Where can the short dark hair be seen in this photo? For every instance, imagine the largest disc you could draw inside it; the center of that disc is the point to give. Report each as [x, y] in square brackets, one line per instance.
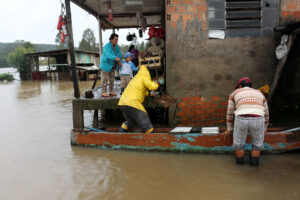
[245, 84]
[113, 35]
[131, 47]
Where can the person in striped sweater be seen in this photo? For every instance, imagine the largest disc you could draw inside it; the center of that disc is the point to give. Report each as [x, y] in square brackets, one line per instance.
[247, 114]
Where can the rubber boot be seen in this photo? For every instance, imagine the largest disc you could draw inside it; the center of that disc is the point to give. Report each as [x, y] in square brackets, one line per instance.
[122, 90]
[239, 157]
[239, 161]
[122, 130]
[253, 161]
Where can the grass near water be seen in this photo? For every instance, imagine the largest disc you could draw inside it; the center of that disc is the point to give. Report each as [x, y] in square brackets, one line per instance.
[6, 77]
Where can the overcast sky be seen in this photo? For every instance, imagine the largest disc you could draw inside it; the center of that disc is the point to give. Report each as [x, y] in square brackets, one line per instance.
[36, 21]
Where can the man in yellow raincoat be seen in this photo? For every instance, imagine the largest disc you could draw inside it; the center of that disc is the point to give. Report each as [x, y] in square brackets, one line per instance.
[132, 98]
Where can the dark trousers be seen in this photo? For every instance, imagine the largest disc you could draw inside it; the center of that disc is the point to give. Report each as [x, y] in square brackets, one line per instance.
[132, 116]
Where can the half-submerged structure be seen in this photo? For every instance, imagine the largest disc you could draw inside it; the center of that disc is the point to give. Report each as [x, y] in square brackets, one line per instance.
[86, 64]
[208, 46]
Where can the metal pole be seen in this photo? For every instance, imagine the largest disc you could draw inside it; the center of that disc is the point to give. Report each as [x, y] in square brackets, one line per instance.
[71, 48]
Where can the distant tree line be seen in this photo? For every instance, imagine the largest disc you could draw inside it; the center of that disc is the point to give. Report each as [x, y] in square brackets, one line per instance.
[6, 48]
[13, 54]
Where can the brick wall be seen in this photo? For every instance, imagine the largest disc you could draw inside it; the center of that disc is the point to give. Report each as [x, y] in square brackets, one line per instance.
[185, 11]
[290, 11]
[198, 111]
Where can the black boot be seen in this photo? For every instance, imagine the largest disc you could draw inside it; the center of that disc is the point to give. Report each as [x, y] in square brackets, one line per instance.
[239, 161]
[253, 161]
[122, 90]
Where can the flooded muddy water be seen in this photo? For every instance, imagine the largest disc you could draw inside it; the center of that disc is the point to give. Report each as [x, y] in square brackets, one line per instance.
[38, 162]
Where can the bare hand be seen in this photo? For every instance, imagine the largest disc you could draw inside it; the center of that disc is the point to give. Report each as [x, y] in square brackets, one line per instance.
[226, 134]
[152, 93]
[120, 64]
[118, 59]
[156, 81]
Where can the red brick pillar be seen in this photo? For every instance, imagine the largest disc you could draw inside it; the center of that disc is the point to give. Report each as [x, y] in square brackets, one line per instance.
[290, 11]
[184, 11]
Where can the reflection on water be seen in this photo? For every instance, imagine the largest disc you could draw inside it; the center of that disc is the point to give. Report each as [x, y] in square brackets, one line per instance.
[38, 162]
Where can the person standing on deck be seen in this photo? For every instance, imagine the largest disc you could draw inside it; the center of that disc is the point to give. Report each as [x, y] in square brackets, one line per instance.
[132, 98]
[248, 109]
[110, 58]
[134, 54]
[126, 71]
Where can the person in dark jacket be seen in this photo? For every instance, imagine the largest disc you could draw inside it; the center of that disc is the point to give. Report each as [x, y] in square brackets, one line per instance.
[134, 57]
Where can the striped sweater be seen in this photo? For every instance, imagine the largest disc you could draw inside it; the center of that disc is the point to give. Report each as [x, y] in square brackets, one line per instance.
[246, 101]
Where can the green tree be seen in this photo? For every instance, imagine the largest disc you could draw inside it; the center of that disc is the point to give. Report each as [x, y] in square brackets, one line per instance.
[88, 41]
[124, 48]
[141, 46]
[28, 45]
[60, 44]
[19, 59]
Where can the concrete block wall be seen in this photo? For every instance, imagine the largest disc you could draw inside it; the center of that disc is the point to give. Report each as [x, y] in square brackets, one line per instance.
[199, 66]
[290, 11]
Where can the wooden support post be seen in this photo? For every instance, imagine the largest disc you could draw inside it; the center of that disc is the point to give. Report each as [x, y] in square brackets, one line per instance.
[100, 37]
[71, 47]
[31, 64]
[49, 68]
[37, 64]
[95, 121]
[78, 118]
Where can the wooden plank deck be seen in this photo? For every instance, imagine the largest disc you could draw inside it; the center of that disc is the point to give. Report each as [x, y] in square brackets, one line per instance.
[98, 103]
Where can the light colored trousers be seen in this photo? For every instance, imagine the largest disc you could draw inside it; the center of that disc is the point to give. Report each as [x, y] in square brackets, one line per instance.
[253, 126]
[125, 79]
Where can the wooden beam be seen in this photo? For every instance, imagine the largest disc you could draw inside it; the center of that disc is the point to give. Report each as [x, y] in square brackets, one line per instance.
[71, 47]
[92, 12]
[136, 26]
[131, 15]
[107, 22]
[85, 7]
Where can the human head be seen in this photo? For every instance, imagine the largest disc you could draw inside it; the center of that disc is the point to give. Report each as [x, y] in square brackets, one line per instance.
[127, 56]
[114, 39]
[131, 47]
[244, 82]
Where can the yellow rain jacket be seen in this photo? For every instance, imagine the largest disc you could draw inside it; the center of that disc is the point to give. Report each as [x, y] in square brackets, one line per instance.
[137, 89]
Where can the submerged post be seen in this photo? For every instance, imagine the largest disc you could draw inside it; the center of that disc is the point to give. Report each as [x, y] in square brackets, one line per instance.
[71, 47]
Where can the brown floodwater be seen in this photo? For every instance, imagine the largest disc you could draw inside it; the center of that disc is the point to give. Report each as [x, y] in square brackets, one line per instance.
[38, 162]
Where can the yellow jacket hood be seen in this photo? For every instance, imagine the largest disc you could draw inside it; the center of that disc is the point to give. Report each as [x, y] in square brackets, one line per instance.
[137, 89]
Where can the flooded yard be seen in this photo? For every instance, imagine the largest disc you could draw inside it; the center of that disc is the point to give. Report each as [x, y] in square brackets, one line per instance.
[38, 162]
